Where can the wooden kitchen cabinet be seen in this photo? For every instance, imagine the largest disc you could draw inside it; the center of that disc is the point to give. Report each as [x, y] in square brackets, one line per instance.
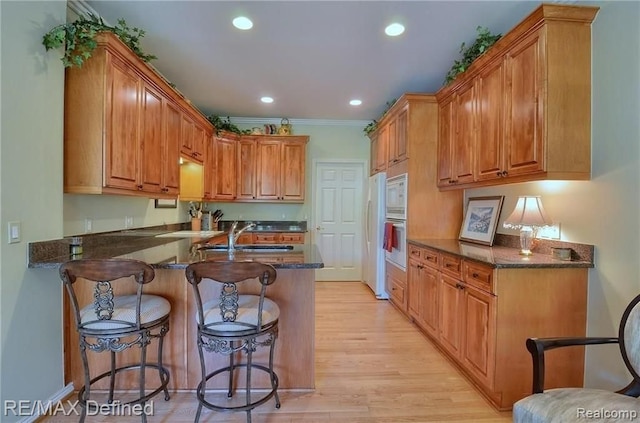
[396, 287]
[225, 162]
[278, 238]
[123, 126]
[246, 169]
[485, 315]
[458, 141]
[389, 142]
[280, 168]
[423, 288]
[531, 103]
[379, 141]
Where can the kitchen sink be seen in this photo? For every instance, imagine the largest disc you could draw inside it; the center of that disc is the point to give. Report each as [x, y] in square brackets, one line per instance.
[249, 248]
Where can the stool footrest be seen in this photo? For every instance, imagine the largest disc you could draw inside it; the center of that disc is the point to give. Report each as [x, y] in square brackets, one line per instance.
[164, 376]
[201, 392]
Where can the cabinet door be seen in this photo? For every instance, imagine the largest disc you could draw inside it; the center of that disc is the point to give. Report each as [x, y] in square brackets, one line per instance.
[209, 171]
[524, 106]
[225, 168]
[373, 153]
[401, 134]
[199, 139]
[445, 143]
[490, 141]
[152, 148]
[246, 168]
[293, 171]
[392, 153]
[122, 126]
[478, 349]
[291, 238]
[465, 134]
[186, 136]
[381, 151]
[171, 164]
[423, 296]
[451, 296]
[268, 169]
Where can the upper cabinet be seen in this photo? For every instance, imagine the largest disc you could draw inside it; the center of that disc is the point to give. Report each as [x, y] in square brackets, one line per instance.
[258, 168]
[124, 126]
[522, 111]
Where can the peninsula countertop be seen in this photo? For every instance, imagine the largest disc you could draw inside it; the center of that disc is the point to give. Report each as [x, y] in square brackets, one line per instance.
[168, 247]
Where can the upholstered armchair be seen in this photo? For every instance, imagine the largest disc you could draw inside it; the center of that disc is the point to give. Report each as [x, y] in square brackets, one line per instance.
[583, 404]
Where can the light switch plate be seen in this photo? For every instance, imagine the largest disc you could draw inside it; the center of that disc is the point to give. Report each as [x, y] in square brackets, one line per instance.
[14, 232]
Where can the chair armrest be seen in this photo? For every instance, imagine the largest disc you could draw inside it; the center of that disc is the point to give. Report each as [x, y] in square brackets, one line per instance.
[537, 347]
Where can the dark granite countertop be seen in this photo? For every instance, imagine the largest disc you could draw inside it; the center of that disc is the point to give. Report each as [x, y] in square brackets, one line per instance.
[158, 247]
[498, 256]
[266, 225]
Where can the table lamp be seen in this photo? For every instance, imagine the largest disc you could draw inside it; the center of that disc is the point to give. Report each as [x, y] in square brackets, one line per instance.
[528, 216]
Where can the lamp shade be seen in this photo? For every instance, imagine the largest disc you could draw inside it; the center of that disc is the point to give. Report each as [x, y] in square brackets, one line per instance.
[528, 212]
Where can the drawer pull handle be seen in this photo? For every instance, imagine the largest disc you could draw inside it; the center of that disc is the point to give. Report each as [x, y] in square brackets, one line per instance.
[475, 275]
[459, 286]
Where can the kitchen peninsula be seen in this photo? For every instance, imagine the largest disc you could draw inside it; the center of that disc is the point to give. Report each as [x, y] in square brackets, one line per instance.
[169, 249]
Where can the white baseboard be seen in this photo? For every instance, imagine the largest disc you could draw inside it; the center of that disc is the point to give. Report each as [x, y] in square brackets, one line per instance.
[58, 396]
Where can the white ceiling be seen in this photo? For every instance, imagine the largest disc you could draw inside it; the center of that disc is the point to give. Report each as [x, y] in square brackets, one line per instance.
[312, 57]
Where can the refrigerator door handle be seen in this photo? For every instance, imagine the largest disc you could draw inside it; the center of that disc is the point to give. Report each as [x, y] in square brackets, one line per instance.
[367, 217]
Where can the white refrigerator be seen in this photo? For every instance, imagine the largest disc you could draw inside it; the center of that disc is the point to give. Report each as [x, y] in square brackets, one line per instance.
[374, 261]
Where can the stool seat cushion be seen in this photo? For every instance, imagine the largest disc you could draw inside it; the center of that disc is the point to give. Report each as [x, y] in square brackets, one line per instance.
[573, 405]
[247, 314]
[152, 308]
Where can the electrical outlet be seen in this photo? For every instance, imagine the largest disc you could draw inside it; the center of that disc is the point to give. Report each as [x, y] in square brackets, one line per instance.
[550, 232]
[14, 232]
[128, 222]
[88, 225]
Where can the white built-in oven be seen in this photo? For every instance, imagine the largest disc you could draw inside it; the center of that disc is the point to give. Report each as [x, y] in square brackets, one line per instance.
[396, 198]
[398, 254]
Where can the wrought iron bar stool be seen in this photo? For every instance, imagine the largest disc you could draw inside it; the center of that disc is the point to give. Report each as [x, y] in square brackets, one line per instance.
[231, 322]
[114, 323]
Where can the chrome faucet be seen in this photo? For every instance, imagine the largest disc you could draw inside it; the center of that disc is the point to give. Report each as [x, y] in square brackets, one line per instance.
[233, 235]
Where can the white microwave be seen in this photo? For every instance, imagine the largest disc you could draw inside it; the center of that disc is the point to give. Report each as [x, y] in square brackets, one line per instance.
[396, 199]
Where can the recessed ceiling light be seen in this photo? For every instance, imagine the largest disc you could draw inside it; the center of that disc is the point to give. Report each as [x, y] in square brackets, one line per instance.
[394, 29]
[266, 100]
[355, 102]
[242, 22]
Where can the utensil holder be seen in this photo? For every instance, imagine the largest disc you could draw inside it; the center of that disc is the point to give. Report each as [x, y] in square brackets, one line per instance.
[196, 224]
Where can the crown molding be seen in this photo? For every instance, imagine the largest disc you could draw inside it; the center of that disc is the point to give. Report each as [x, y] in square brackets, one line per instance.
[81, 8]
[300, 122]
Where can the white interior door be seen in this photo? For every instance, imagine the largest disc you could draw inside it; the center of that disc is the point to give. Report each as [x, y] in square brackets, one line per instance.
[338, 219]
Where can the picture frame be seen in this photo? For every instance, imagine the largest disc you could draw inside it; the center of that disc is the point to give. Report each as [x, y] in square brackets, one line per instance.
[162, 203]
[481, 219]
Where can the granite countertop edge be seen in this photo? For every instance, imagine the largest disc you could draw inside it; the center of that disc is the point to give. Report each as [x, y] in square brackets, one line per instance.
[498, 257]
[164, 252]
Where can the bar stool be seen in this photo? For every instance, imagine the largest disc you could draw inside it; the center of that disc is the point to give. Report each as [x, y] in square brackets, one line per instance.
[114, 323]
[234, 322]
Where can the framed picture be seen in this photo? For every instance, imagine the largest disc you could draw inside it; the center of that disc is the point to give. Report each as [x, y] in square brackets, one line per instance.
[166, 204]
[481, 219]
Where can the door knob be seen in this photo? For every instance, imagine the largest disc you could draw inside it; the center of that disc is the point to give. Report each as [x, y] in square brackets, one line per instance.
[318, 228]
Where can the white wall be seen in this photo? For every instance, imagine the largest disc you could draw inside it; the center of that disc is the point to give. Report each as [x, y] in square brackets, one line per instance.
[31, 180]
[604, 211]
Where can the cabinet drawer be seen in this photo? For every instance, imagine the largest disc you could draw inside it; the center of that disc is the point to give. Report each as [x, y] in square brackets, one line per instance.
[396, 291]
[451, 265]
[478, 276]
[245, 238]
[292, 238]
[424, 255]
[265, 238]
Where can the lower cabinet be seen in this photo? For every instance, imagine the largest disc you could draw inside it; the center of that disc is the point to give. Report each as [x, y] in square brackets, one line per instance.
[396, 286]
[263, 238]
[481, 316]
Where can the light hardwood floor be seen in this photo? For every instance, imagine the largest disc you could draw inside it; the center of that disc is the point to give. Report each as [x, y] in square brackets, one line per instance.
[372, 366]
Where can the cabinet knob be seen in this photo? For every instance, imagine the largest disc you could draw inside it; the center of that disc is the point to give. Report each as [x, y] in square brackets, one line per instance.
[459, 286]
[505, 173]
[498, 173]
[139, 187]
[475, 275]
